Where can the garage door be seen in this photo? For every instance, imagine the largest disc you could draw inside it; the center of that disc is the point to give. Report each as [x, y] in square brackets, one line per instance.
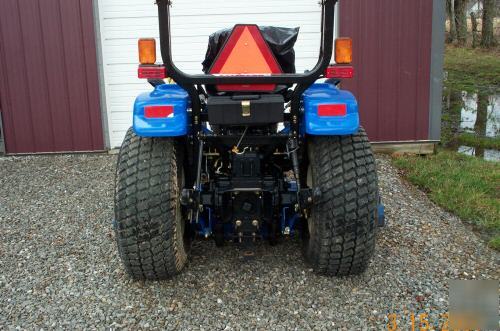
[122, 22]
[49, 88]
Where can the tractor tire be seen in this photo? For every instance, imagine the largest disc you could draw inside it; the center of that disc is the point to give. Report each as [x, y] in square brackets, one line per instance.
[150, 226]
[339, 234]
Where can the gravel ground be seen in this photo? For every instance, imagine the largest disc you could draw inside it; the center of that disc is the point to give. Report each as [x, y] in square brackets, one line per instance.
[59, 266]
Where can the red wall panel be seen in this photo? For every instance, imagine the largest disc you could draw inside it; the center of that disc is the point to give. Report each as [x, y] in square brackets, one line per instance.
[49, 82]
[392, 58]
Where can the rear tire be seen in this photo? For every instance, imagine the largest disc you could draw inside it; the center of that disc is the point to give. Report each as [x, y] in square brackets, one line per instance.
[150, 225]
[339, 235]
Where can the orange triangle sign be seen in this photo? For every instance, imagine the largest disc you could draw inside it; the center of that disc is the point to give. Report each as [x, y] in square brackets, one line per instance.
[246, 53]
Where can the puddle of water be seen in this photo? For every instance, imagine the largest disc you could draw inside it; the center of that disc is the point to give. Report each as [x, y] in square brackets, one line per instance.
[470, 114]
[478, 114]
[487, 154]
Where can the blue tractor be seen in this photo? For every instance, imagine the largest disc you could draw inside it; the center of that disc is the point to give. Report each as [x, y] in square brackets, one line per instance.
[248, 151]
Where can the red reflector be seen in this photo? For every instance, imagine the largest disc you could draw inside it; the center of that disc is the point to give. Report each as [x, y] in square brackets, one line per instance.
[339, 72]
[158, 111]
[152, 72]
[246, 53]
[332, 110]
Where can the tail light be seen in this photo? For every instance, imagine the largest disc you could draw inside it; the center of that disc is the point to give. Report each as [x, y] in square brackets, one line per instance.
[147, 51]
[343, 51]
[158, 111]
[148, 68]
[339, 72]
[152, 72]
[332, 110]
[343, 56]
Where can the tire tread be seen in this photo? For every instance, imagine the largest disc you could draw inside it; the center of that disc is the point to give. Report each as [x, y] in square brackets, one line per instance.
[146, 207]
[344, 216]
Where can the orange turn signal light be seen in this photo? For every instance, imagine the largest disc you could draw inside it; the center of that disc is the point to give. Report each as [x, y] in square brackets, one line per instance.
[147, 51]
[343, 50]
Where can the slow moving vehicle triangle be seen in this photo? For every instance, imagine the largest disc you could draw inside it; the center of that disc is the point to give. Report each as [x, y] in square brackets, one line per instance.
[246, 53]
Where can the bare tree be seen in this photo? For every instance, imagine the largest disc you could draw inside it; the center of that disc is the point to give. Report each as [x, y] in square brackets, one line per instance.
[475, 33]
[460, 7]
[488, 35]
[481, 119]
[452, 36]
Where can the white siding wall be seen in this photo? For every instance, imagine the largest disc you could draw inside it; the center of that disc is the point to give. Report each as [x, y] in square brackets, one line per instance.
[122, 22]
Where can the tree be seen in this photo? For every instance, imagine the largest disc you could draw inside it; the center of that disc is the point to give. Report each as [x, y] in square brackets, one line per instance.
[481, 119]
[475, 33]
[460, 7]
[452, 36]
[488, 35]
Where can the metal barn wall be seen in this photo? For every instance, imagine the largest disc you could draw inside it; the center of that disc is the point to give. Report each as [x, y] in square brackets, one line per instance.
[392, 60]
[49, 88]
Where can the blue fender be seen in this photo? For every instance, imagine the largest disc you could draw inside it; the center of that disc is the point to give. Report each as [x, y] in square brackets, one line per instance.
[328, 94]
[163, 95]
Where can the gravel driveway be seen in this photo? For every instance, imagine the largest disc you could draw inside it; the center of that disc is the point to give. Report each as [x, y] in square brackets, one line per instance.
[59, 266]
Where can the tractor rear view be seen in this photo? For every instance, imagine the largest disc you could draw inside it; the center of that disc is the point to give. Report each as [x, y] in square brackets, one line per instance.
[248, 151]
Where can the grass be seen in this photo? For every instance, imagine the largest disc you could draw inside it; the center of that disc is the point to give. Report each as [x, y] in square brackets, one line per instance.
[472, 140]
[472, 69]
[466, 186]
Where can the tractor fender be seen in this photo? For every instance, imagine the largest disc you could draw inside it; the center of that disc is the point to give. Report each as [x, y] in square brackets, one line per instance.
[323, 94]
[151, 109]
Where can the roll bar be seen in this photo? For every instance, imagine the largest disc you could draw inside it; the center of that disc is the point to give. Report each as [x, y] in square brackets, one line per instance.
[303, 81]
